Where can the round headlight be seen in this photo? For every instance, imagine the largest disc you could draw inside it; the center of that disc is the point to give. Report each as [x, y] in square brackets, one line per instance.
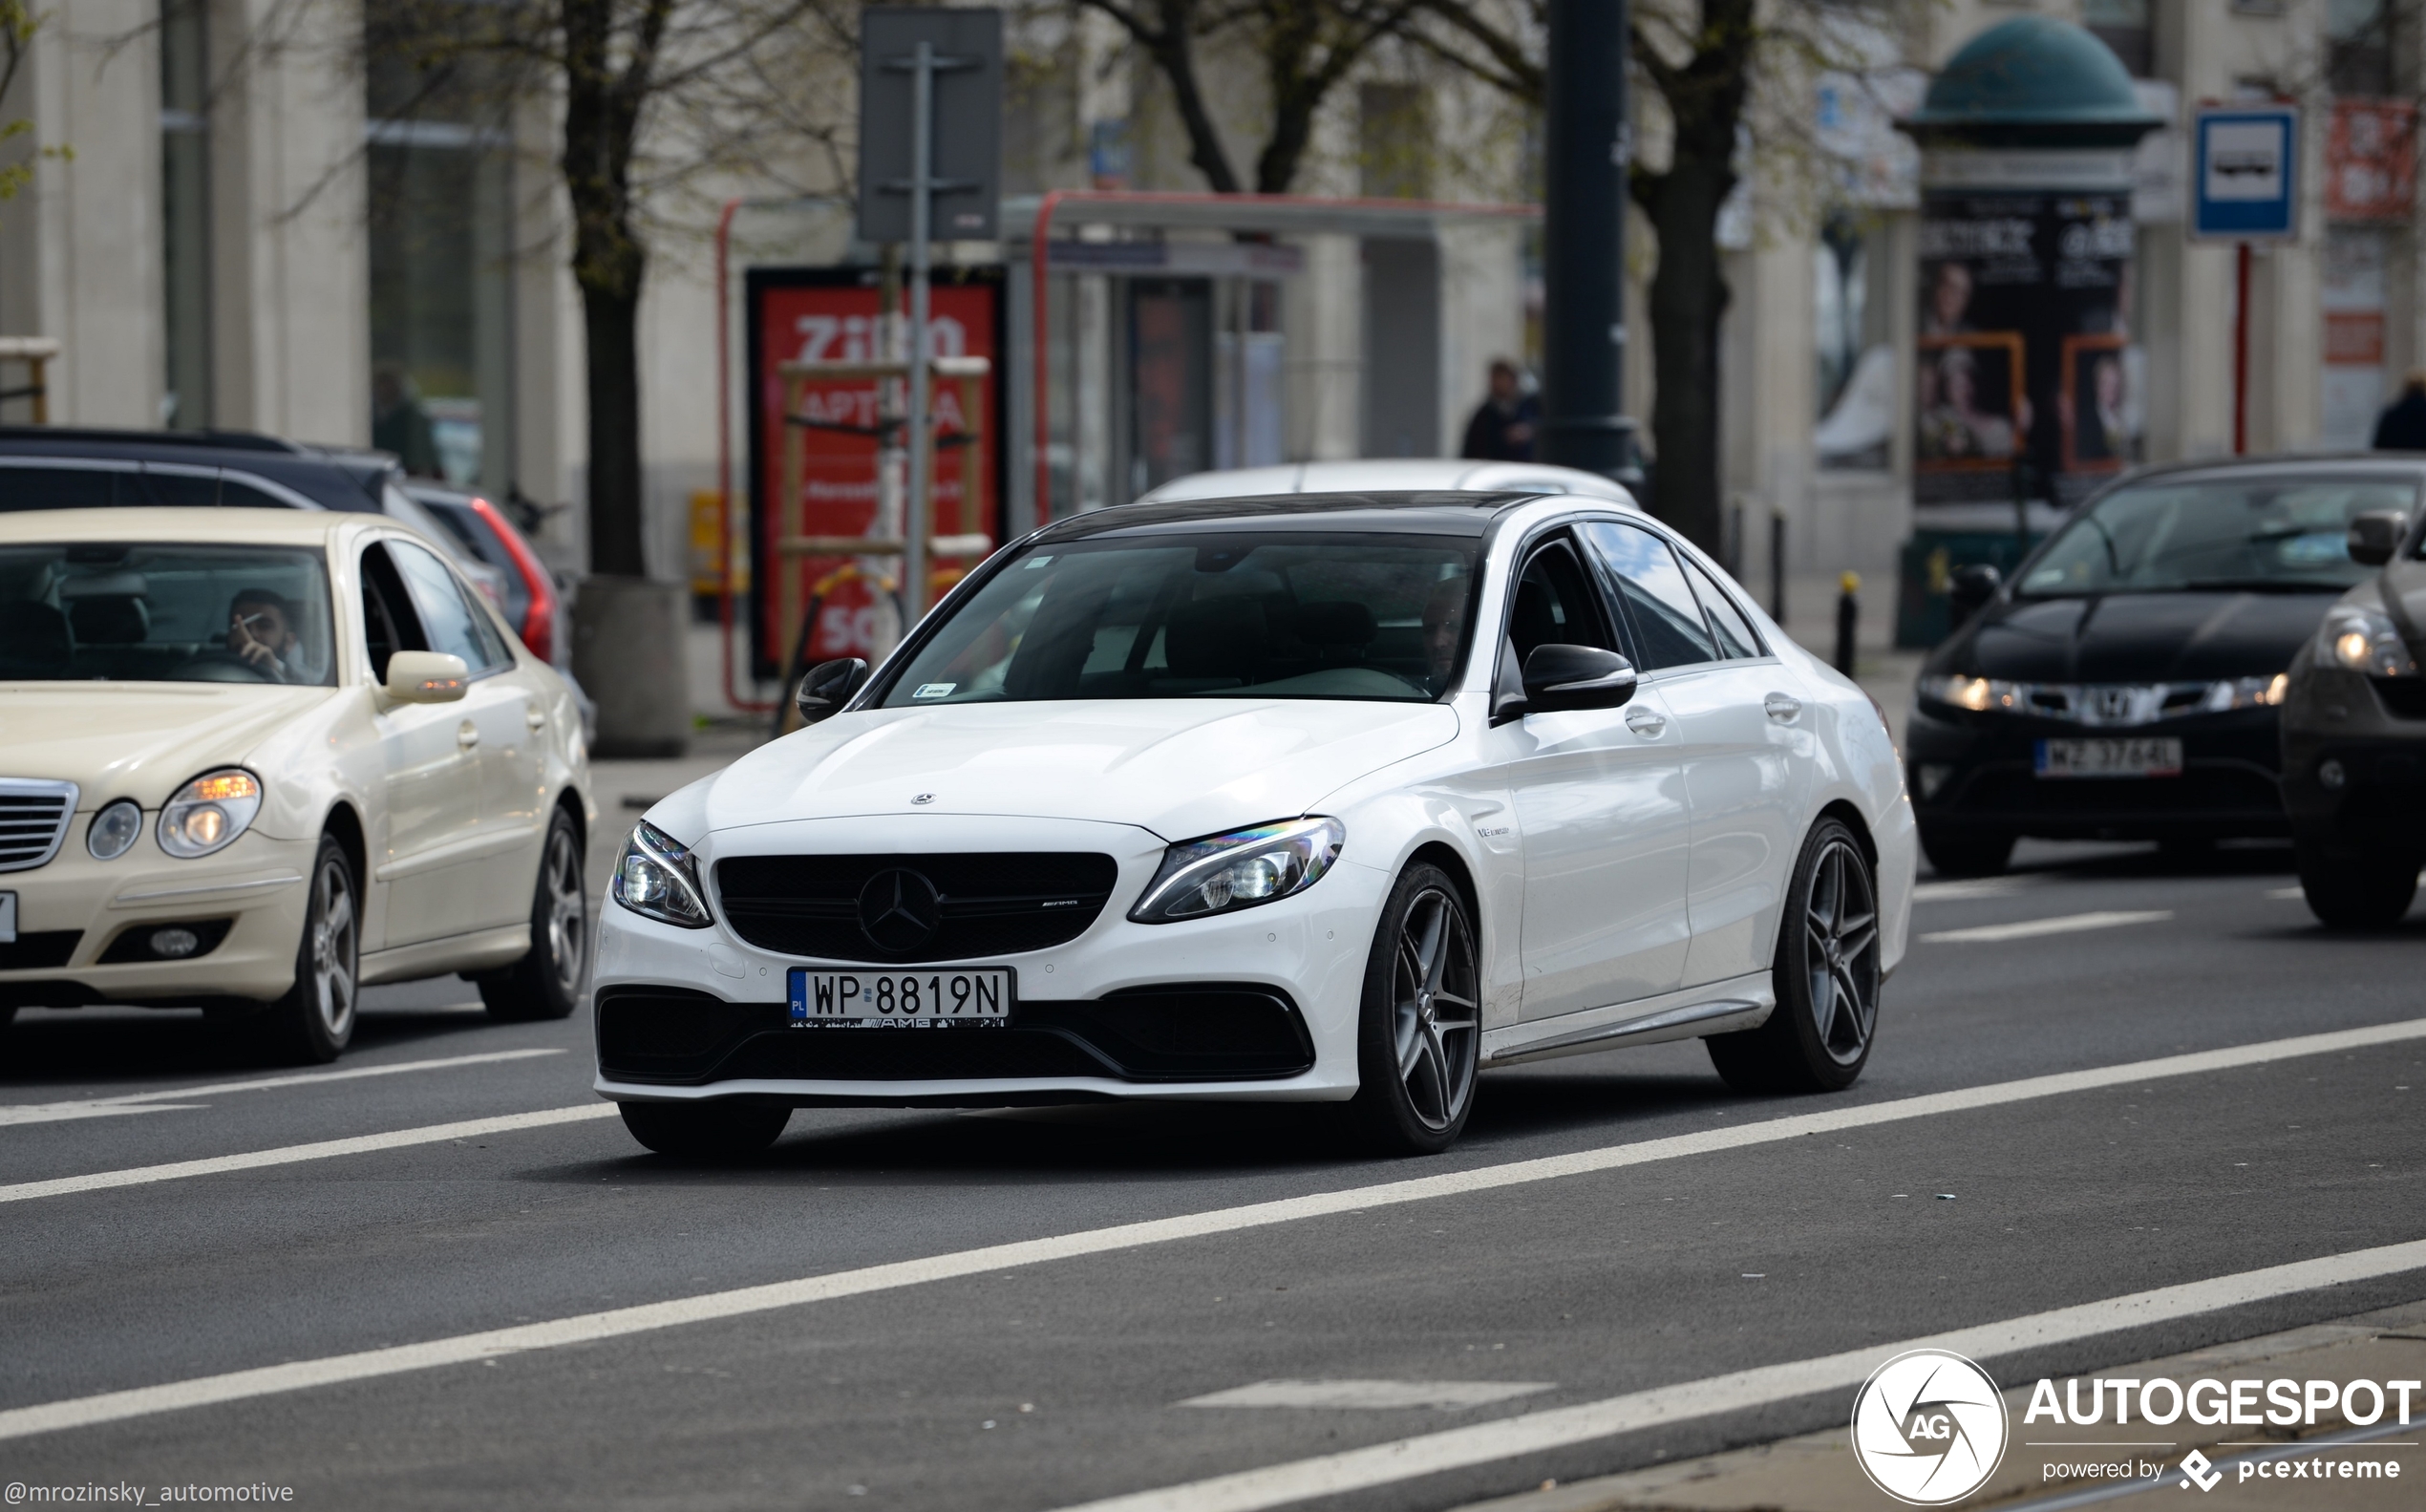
[209, 812]
[114, 830]
[2352, 648]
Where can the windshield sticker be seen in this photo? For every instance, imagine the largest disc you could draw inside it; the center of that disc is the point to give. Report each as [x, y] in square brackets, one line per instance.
[934, 689]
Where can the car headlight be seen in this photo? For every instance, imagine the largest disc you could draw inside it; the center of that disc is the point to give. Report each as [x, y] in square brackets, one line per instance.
[113, 830]
[1979, 694]
[208, 812]
[2246, 693]
[2362, 640]
[1240, 869]
[657, 877]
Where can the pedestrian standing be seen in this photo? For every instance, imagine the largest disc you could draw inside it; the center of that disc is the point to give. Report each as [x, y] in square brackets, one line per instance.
[2402, 426]
[1504, 424]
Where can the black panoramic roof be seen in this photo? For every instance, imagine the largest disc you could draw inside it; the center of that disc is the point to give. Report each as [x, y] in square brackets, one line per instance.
[1437, 513]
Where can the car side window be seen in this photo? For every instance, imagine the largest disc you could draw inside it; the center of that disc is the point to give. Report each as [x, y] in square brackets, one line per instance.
[1553, 604]
[389, 624]
[1736, 635]
[449, 619]
[1667, 619]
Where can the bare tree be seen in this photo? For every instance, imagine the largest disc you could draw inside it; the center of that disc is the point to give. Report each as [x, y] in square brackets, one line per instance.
[1710, 64]
[18, 23]
[1305, 48]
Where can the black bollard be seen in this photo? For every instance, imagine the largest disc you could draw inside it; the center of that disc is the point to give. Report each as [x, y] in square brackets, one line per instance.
[1848, 618]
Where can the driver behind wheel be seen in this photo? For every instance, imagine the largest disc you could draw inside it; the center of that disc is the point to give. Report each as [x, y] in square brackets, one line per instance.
[261, 629]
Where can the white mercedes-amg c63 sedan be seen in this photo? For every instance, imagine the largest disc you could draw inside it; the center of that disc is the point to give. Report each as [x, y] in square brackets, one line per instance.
[1329, 798]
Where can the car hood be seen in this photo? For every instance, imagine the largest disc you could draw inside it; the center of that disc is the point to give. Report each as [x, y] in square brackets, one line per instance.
[139, 740]
[2137, 637]
[1180, 768]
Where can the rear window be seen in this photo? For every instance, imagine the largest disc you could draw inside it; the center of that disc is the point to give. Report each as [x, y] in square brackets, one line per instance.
[69, 486]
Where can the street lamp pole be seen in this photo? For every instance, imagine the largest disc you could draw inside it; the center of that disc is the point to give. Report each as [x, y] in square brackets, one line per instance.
[1590, 145]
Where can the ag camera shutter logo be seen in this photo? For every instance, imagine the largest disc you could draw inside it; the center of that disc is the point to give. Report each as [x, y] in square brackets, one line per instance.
[1929, 1427]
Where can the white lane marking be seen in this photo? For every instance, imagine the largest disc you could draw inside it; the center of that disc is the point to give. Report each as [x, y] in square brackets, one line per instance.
[289, 1155]
[1377, 1395]
[2280, 894]
[136, 1102]
[1958, 891]
[60, 1112]
[2032, 928]
[709, 1307]
[1532, 1433]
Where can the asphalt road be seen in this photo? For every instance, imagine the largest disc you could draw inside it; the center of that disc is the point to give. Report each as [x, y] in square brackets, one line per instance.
[1060, 1380]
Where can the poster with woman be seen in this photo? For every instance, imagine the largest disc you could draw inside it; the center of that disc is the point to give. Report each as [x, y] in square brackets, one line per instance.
[2011, 285]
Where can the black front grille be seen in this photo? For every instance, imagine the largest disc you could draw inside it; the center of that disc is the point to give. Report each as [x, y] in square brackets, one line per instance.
[988, 904]
[40, 951]
[1189, 1032]
[34, 818]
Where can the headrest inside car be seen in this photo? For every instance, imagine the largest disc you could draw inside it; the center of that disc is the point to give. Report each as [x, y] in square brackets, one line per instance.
[110, 621]
[33, 640]
[1340, 622]
[1219, 637]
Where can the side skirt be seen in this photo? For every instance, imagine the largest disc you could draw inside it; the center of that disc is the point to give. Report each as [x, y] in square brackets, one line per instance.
[482, 951]
[1714, 1007]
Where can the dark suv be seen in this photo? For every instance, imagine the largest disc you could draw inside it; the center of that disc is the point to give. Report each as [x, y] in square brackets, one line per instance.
[2354, 734]
[59, 467]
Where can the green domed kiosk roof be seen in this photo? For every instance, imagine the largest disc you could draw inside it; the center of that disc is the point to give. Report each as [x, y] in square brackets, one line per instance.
[2031, 81]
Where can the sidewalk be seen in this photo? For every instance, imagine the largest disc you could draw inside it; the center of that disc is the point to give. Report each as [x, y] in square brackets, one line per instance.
[1817, 1473]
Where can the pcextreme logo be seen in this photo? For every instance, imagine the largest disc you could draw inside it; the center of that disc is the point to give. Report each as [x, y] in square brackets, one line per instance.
[1929, 1427]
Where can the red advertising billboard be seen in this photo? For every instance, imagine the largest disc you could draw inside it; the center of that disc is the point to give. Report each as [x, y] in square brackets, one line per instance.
[2370, 159]
[832, 315]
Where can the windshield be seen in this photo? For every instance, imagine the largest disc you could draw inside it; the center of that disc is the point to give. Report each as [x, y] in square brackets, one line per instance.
[1296, 616]
[117, 612]
[2279, 534]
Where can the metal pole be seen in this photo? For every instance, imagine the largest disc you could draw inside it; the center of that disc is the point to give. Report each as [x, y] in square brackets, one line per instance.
[1583, 236]
[919, 512]
[2241, 359]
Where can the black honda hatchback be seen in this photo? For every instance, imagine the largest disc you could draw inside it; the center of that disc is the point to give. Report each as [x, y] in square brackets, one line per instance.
[2125, 684]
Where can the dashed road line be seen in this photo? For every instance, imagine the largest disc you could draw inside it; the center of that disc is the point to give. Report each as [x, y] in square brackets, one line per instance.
[2033, 928]
[166, 1098]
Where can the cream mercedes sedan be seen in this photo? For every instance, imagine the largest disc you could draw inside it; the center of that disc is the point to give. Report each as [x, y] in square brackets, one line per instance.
[256, 761]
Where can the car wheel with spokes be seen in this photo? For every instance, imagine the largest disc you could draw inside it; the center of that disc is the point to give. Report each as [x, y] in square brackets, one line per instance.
[1826, 977]
[1419, 1038]
[314, 1021]
[546, 982]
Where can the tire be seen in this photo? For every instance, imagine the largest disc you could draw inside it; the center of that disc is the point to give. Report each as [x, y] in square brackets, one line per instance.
[546, 982]
[2371, 890]
[1966, 853]
[1419, 1033]
[314, 1021]
[1818, 1038]
[705, 1131]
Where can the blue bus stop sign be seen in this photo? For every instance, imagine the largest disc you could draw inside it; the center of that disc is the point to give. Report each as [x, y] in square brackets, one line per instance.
[2245, 173]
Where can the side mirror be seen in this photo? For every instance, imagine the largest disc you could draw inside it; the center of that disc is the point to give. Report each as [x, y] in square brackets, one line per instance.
[828, 687]
[426, 677]
[2376, 536]
[1576, 677]
[1971, 589]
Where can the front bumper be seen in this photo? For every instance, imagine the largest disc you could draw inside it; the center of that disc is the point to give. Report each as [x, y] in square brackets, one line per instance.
[78, 920]
[1257, 1004]
[1977, 773]
[2374, 735]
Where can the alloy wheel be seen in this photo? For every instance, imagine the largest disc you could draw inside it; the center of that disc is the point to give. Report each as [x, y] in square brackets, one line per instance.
[1840, 951]
[567, 910]
[1434, 1003]
[334, 955]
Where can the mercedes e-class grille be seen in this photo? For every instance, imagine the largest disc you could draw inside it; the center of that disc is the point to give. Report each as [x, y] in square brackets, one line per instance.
[888, 908]
[33, 819]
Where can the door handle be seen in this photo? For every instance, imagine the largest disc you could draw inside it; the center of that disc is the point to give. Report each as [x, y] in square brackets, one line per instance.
[467, 735]
[1784, 708]
[1645, 723]
[535, 719]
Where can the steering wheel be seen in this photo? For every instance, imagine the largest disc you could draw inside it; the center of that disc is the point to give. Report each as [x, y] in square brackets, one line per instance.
[214, 665]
